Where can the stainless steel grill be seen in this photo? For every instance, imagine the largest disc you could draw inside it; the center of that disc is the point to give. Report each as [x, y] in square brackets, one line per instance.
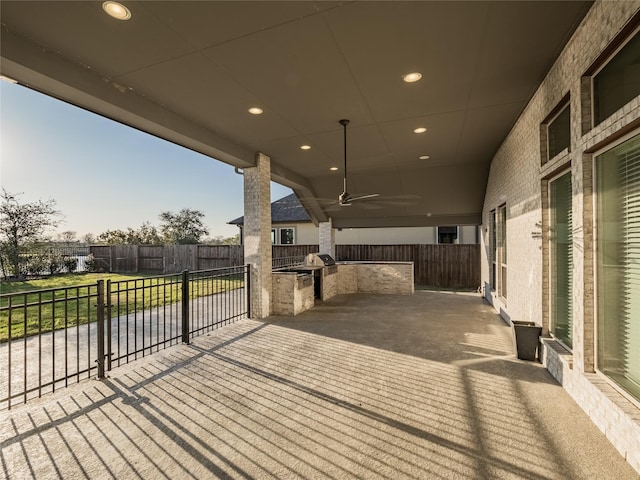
[319, 260]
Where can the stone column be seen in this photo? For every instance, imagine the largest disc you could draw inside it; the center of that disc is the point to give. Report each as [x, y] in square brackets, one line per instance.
[327, 238]
[257, 234]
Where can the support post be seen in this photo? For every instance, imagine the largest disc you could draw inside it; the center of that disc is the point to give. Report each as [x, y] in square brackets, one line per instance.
[327, 238]
[257, 234]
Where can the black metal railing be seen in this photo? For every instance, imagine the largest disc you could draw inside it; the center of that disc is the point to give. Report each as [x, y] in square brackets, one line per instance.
[50, 338]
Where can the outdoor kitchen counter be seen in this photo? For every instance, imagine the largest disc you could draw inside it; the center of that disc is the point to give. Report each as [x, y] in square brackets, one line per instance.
[375, 277]
[291, 292]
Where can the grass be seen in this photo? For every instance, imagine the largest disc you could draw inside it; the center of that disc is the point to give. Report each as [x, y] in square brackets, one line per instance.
[39, 306]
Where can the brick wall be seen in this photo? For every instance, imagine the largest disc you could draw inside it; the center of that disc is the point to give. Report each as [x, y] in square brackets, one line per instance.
[519, 179]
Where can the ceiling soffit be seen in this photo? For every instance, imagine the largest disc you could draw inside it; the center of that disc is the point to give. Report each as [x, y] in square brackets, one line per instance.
[188, 72]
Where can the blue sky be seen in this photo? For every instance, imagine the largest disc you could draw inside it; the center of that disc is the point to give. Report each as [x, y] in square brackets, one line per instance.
[104, 175]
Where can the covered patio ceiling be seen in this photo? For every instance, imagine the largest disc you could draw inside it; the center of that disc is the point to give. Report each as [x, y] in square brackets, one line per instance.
[189, 71]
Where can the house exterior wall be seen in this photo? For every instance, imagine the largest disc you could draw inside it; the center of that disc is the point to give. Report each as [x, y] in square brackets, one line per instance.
[399, 236]
[308, 234]
[518, 180]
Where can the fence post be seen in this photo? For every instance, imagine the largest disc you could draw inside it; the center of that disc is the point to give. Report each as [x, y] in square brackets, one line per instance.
[185, 306]
[100, 305]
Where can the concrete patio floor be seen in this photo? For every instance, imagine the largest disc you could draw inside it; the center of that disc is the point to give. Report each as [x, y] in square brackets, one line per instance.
[362, 386]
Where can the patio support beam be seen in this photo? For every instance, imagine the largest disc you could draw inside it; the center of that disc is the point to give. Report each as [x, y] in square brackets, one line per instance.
[327, 238]
[257, 233]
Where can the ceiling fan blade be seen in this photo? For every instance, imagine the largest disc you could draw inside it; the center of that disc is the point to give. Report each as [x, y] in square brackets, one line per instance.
[363, 197]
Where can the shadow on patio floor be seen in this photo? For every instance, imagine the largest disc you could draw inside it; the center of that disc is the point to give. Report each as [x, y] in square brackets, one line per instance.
[363, 386]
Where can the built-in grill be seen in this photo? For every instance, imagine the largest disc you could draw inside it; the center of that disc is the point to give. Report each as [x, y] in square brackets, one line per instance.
[321, 260]
[321, 265]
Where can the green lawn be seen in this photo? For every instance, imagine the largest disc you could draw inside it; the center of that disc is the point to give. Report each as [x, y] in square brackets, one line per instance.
[73, 302]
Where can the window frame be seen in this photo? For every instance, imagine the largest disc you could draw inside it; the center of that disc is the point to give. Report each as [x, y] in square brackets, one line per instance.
[493, 240]
[550, 265]
[502, 286]
[596, 297]
[457, 238]
[558, 110]
[608, 54]
[293, 235]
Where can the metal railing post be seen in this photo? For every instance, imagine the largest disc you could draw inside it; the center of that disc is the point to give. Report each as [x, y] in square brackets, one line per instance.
[109, 332]
[185, 306]
[100, 326]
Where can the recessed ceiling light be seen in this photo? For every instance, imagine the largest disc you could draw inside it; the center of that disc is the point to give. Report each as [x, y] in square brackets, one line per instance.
[412, 77]
[419, 130]
[305, 147]
[255, 111]
[116, 10]
[333, 169]
[424, 157]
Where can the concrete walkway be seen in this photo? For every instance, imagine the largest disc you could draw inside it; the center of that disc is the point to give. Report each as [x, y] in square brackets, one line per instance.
[362, 386]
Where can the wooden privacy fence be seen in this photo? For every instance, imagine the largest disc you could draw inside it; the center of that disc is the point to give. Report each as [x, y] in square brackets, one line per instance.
[444, 266]
[176, 258]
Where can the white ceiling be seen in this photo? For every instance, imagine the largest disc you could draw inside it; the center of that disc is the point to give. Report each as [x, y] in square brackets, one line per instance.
[188, 72]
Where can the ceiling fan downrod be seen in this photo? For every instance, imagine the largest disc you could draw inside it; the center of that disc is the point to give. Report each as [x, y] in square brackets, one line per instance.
[344, 196]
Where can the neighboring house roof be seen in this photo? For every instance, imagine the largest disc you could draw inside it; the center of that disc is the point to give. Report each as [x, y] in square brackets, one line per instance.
[286, 210]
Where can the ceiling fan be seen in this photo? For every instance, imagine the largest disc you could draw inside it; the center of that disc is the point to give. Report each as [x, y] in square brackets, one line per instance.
[345, 199]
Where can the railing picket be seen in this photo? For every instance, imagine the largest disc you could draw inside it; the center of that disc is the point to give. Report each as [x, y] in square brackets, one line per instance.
[53, 340]
[10, 340]
[39, 345]
[66, 337]
[25, 348]
[77, 334]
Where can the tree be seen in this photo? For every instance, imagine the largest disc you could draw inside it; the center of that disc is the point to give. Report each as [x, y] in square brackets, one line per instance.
[184, 227]
[68, 237]
[113, 237]
[147, 234]
[89, 239]
[220, 240]
[22, 225]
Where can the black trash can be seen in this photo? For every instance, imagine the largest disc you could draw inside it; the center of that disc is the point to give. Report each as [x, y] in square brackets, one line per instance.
[527, 338]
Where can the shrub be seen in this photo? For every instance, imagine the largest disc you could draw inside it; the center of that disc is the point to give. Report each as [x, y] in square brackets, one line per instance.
[36, 264]
[90, 263]
[70, 264]
[55, 263]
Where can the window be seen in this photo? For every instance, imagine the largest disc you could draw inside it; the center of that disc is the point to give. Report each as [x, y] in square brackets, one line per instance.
[494, 249]
[502, 251]
[561, 258]
[287, 236]
[273, 236]
[557, 131]
[618, 264]
[447, 234]
[618, 81]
